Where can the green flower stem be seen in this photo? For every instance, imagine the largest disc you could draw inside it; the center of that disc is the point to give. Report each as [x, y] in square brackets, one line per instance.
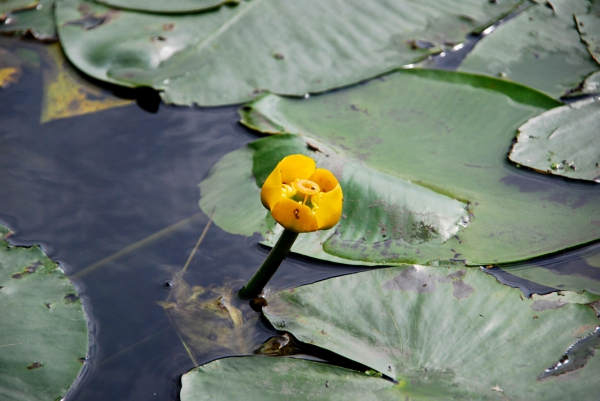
[264, 273]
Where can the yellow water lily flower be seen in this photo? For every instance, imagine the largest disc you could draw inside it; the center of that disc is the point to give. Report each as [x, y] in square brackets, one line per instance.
[301, 197]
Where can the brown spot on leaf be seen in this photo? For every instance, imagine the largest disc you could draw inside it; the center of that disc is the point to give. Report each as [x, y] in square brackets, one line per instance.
[35, 365]
[168, 27]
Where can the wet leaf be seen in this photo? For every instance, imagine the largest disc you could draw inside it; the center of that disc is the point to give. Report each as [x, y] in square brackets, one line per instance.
[263, 378]
[201, 58]
[562, 141]
[38, 21]
[445, 131]
[42, 335]
[444, 332]
[166, 7]
[67, 94]
[7, 6]
[540, 48]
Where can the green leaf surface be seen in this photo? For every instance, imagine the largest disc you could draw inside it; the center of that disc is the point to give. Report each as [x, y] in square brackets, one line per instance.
[562, 141]
[290, 47]
[7, 6]
[39, 21]
[446, 333]
[588, 26]
[167, 7]
[540, 47]
[267, 378]
[445, 131]
[44, 337]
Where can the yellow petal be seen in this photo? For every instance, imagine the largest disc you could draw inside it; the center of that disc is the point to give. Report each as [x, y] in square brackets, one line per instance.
[324, 179]
[329, 208]
[296, 166]
[294, 216]
[270, 193]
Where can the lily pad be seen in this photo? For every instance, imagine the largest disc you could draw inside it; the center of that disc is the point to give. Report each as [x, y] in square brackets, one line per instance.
[44, 338]
[201, 58]
[264, 378]
[562, 141]
[39, 21]
[7, 6]
[589, 29]
[446, 332]
[167, 7]
[441, 130]
[540, 47]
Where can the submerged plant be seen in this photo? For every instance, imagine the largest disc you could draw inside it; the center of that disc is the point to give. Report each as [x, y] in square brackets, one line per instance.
[302, 198]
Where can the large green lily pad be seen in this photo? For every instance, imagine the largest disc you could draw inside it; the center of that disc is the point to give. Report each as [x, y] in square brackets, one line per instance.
[290, 47]
[166, 7]
[562, 141]
[39, 21]
[540, 47]
[446, 332]
[44, 338]
[445, 131]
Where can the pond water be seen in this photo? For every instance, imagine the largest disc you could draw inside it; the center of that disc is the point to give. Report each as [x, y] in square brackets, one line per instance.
[126, 179]
[86, 187]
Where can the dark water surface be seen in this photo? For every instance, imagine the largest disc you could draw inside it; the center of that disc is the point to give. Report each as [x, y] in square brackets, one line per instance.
[86, 187]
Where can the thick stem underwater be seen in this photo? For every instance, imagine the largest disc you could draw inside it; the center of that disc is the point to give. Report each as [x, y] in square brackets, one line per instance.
[264, 273]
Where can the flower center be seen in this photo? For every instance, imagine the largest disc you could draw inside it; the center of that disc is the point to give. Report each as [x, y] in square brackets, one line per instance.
[307, 187]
